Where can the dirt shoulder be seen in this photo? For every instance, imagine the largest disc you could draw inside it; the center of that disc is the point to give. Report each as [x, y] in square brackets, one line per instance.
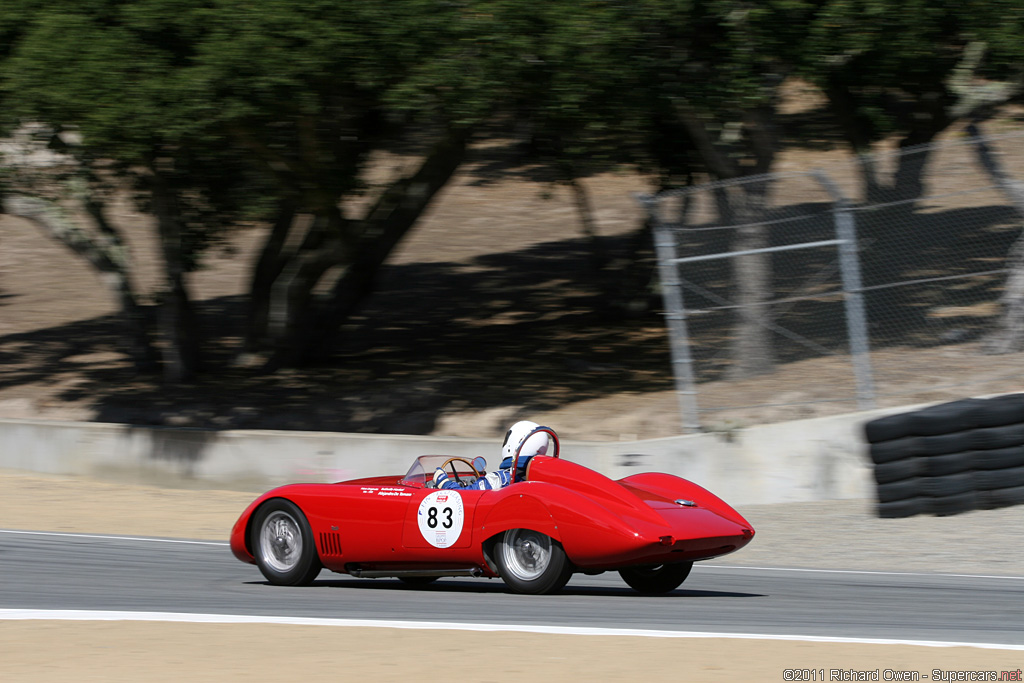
[158, 652]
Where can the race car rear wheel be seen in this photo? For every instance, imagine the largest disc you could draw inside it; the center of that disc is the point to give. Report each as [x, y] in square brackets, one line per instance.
[656, 578]
[531, 562]
[282, 543]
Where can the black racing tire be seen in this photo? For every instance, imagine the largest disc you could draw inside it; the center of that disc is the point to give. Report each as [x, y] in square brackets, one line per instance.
[954, 505]
[986, 480]
[532, 563]
[283, 544]
[951, 463]
[901, 490]
[1000, 498]
[944, 444]
[999, 459]
[947, 418]
[654, 579]
[902, 508]
[897, 449]
[418, 581]
[991, 438]
[889, 428]
[899, 470]
[949, 485]
[1002, 410]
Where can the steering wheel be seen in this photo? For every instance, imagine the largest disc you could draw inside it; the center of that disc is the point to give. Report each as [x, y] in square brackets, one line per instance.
[455, 473]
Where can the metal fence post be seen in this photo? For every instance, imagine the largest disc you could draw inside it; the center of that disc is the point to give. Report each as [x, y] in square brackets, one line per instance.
[849, 266]
[675, 314]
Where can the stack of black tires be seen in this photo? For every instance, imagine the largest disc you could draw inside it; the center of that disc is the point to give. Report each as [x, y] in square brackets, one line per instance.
[950, 458]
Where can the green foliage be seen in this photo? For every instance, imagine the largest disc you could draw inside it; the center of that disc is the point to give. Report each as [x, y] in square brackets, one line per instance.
[888, 62]
[599, 81]
[236, 104]
[118, 81]
[242, 103]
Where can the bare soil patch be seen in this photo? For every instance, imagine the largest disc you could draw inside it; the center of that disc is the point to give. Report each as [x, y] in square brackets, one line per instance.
[133, 651]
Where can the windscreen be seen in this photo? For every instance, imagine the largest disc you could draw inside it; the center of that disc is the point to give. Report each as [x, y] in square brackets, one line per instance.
[422, 469]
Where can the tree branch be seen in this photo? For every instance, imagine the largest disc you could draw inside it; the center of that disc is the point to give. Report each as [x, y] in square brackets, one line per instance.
[716, 162]
[972, 94]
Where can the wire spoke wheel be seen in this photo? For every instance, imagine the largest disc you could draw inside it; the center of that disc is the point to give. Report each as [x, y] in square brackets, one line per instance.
[282, 544]
[280, 541]
[527, 554]
[532, 562]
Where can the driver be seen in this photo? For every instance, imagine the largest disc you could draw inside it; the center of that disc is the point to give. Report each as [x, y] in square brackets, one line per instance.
[519, 434]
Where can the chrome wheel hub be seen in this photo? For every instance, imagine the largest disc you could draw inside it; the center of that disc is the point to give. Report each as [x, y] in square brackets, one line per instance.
[280, 541]
[527, 554]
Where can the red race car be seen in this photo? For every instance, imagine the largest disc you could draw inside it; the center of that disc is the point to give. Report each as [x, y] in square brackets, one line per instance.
[556, 517]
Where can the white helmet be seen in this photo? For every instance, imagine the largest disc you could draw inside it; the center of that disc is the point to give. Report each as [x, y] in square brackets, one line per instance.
[514, 437]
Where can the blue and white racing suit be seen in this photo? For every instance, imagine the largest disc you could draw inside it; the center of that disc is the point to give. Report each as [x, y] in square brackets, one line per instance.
[495, 480]
[498, 479]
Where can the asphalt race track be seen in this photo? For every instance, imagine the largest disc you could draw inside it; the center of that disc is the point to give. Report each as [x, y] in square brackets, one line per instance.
[80, 572]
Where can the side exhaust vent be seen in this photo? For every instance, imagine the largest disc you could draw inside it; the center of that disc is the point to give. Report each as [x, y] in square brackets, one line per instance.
[330, 544]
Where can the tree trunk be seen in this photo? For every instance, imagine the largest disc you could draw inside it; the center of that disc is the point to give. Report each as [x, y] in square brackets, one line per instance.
[178, 328]
[108, 258]
[743, 205]
[751, 348]
[586, 213]
[873, 191]
[293, 315]
[608, 289]
[859, 133]
[386, 223]
[267, 269]
[908, 180]
[1009, 333]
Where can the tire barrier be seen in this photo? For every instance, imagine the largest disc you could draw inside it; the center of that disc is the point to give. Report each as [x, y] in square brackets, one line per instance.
[986, 480]
[1000, 458]
[953, 463]
[949, 458]
[989, 438]
[953, 505]
[901, 469]
[900, 490]
[897, 449]
[903, 508]
[997, 498]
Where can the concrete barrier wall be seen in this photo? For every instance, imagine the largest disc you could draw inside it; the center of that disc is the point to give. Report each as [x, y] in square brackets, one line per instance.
[820, 459]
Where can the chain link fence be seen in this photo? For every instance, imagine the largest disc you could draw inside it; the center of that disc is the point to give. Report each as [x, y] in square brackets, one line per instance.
[884, 280]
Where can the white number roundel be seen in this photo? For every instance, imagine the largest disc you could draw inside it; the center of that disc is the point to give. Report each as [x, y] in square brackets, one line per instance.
[440, 518]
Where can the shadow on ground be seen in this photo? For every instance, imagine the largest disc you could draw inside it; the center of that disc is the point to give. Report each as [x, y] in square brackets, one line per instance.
[517, 329]
[930, 279]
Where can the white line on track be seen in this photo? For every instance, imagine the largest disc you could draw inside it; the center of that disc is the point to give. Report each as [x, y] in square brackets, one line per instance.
[111, 538]
[90, 615]
[860, 571]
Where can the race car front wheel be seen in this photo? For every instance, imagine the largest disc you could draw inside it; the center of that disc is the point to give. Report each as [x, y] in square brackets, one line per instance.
[531, 562]
[656, 578]
[282, 543]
